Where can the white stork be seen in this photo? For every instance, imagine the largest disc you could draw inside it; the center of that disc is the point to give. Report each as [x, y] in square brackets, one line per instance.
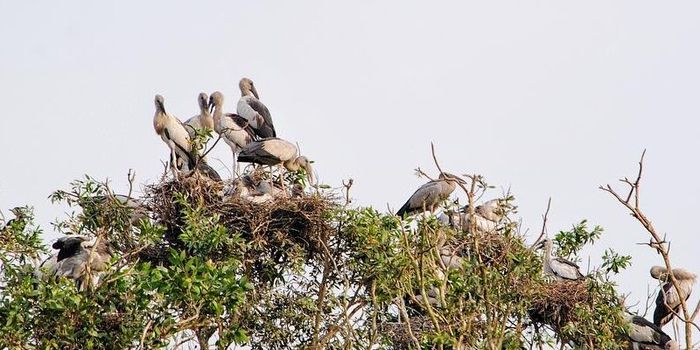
[174, 134]
[560, 268]
[76, 256]
[201, 121]
[257, 114]
[234, 129]
[275, 151]
[430, 195]
[645, 335]
[667, 301]
[460, 221]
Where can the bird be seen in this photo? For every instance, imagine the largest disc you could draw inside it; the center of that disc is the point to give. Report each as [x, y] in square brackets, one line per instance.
[275, 151]
[257, 114]
[560, 268]
[76, 256]
[175, 136]
[667, 301]
[19, 222]
[430, 195]
[491, 210]
[644, 335]
[460, 220]
[234, 129]
[201, 121]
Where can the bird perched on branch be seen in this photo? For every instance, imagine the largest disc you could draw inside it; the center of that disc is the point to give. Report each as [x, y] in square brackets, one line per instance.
[175, 136]
[275, 151]
[234, 129]
[645, 335]
[257, 114]
[79, 258]
[430, 195]
[667, 301]
[560, 268]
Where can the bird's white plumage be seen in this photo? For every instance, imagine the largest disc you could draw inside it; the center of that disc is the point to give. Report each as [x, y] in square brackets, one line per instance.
[561, 269]
[245, 110]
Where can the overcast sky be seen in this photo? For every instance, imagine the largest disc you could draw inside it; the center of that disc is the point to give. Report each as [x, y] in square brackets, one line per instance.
[547, 98]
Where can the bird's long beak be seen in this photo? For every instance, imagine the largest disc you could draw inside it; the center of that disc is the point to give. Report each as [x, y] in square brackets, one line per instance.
[211, 105]
[309, 173]
[161, 106]
[255, 92]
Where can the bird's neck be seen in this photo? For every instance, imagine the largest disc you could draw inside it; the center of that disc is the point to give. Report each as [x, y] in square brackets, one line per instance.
[159, 121]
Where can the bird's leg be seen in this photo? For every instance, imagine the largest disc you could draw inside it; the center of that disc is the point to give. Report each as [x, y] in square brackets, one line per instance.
[281, 178]
[173, 165]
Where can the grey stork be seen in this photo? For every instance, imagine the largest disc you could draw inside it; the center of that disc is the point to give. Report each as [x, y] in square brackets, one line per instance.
[560, 268]
[234, 129]
[667, 301]
[275, 151]
[257, 114]
[430, 195]
[644, 335]
[201, 121]
[76, 256]
[175, 136]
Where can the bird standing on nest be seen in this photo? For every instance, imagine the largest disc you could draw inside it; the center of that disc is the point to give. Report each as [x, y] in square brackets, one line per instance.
[233, 128]
[201, 121]
[667, 302]
[560, 268]
[175, 136]
[430, 195]
[257, 114]
[276, 152]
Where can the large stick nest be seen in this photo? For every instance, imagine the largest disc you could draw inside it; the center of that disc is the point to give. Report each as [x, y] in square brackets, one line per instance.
[555, 303]
[274, 229]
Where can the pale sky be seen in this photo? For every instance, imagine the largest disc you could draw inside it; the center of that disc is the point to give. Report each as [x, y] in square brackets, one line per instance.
[547, 98]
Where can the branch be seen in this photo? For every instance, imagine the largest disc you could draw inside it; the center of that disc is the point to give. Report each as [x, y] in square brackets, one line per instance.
[544, 224]
[657, 242]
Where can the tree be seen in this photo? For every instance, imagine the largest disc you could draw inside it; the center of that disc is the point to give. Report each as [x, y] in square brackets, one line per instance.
[306, 271]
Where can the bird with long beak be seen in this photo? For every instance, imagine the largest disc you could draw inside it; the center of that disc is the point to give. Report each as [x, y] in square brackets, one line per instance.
[668, 303]
[430, 195]
[257, 114]
[276, 152]
[201, 121]
[559, 268]
[175, 136]
[234, 129]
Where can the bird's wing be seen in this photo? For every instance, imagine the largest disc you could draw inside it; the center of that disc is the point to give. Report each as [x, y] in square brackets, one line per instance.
[267, 128]
[208, 171]
[566, 269]
[646, 332]
[256, 153]
[70, 247]
[242, 123]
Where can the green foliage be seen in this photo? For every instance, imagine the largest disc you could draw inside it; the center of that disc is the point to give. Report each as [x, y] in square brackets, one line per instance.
[357, 279]
[571, 242]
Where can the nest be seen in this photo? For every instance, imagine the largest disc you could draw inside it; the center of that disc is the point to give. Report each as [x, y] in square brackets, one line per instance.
[398, 335]
[272, 230]
[555, 303]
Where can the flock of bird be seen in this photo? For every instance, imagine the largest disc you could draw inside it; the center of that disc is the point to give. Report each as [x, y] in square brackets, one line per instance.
[251, 135]
[252, 138]
[644, 335]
